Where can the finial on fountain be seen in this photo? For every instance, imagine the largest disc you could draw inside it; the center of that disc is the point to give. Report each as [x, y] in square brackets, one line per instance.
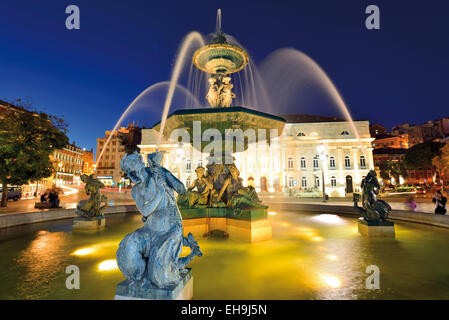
[220, 59]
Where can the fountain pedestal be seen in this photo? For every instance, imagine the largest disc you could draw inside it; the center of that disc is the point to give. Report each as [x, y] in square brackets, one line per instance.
[89, 224]
[384, 229]
[250, 225]
[144, 290]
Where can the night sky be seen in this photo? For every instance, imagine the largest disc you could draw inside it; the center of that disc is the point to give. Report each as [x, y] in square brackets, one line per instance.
[394, 75]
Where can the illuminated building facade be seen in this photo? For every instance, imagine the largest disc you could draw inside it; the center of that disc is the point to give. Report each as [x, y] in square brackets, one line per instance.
[290, 161]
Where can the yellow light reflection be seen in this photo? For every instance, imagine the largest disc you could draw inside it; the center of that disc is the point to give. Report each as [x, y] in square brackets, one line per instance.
[285, 224]
[332, 257]
[83, 251]
[329, 219]
[272, 213]
[317, 239]
[108, 265]
[331, 281]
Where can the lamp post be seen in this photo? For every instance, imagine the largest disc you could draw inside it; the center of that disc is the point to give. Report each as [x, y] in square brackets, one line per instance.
[321, 149]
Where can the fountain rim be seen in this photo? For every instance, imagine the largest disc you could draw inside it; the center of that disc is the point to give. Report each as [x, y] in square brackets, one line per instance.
[235, 48]
[235, 109]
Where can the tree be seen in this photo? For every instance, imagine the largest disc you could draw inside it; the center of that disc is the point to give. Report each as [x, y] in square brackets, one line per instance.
[392, 169]
[27, 138]
[441, 162]
[420, 156]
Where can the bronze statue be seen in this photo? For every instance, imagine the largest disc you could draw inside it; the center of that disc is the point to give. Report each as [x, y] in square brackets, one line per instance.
[373, 211]
[200, 197]
[220, 187]
[92, 207]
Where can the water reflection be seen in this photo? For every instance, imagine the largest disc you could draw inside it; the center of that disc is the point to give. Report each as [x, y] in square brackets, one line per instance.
[307, 258]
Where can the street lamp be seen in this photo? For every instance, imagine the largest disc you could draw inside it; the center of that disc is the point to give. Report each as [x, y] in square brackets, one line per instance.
[321, 149]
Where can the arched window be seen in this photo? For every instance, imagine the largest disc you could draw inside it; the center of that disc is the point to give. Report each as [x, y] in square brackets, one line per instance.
[188, 165]
[315, 162]
[317, 182]
[301, 134]
[347, 162]
[290, 163]
[304, 182]
[332, 162]
[303, 163]
[333, 181]
[290, 182]
[345, 133]
[362, 162]
[200, 163]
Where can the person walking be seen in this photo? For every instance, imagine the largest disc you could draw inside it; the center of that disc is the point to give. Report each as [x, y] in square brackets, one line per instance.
[440, 203]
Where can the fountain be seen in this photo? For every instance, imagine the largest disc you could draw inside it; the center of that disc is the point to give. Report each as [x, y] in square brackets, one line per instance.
[374, 212]
[90, 212]
[220, 201]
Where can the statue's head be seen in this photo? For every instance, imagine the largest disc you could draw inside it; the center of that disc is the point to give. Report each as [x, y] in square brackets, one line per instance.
[132, 164]
[235, 173]
[199, 172]
[155, 158]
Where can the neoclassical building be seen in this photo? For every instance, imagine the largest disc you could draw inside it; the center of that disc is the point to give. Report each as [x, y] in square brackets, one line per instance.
[291, 160]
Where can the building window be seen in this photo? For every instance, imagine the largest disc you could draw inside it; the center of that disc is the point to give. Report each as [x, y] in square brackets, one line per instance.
[188, 182]
[315, 162]
[301, 134]
[332, 162]
[290, 163]
[303, 163]
[317, 182]
[347, 162]
[304, 182]
[200, 163]
[345, 133]
[290, 182]
[188, 165]
[333, 181]
[362, 162]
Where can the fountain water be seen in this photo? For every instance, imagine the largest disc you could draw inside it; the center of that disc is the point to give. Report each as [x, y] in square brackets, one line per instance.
[284, 84]
[275, 73]
[135, 102]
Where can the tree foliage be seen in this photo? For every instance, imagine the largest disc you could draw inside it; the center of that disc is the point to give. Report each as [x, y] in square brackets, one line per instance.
[420, 156]
[441, 162]
[27, 138]
[392, 169]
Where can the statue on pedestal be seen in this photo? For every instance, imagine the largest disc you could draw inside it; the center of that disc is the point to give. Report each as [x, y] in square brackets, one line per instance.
[220, 94]
[92, 208]
[373, 211]
[150, 256]
[200, 197]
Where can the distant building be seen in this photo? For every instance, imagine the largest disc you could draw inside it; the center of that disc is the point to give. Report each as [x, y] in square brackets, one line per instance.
[294, 163]
[68, 163]
[108, 167]
[390, 141]
[377, 129]
[88, 162]
[436, 130]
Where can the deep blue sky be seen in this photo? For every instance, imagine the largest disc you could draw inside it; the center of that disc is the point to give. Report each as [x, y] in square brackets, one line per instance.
[395, 75]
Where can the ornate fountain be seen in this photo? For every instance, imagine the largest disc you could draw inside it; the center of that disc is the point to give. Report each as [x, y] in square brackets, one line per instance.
[220, 59]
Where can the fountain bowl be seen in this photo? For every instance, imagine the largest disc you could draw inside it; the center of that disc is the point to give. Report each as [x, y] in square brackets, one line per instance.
[220, 58]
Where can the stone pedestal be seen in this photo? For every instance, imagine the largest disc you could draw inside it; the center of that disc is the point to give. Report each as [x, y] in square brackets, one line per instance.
[126, 290]
[245, 225]
[371, 230]
[89, 224]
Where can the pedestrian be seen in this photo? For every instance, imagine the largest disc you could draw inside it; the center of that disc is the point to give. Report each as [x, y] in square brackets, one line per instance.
[53, 198]
[440, 202]
[411, 203]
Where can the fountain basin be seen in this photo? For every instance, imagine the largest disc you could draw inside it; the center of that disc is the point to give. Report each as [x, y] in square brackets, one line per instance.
[220, 58]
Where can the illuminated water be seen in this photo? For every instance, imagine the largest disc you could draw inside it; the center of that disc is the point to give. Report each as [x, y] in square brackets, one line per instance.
[310, 257]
